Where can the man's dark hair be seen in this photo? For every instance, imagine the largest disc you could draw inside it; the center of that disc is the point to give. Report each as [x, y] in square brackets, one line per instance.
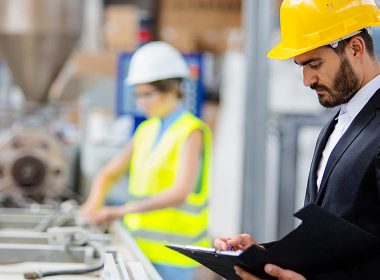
[169, 85]
[367, 40]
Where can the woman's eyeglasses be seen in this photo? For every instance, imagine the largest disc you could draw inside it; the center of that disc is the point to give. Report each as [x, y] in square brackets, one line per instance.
[147, 94]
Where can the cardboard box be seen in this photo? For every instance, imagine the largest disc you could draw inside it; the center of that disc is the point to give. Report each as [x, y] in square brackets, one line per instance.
[121, 27]
[94, 63]
[198, 25]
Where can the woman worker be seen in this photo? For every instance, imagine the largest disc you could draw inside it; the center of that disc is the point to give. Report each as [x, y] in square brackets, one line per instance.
[168, 161]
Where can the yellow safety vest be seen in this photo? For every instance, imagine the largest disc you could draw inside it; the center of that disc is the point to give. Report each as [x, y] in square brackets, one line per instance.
[154, 170]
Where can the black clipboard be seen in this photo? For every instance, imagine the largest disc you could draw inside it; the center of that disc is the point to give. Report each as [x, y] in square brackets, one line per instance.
[221, 262]
[323, 242]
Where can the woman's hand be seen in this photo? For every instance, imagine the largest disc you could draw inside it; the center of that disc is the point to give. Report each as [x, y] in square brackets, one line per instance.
[108, 214]
[88, 210]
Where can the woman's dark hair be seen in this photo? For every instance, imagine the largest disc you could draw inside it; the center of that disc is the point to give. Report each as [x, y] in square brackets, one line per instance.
[166, 85]
[367, 40]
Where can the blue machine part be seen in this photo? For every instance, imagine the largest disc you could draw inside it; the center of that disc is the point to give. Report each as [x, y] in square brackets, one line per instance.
[193, 88]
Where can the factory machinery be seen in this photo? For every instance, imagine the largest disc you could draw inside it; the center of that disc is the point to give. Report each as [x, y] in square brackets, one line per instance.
[40, 233]
[40, 241]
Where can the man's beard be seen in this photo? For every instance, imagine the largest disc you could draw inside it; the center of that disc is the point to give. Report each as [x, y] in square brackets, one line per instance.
[345, 85]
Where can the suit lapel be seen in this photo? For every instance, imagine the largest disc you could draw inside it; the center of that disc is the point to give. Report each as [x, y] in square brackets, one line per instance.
[321, 143]
[356, 127]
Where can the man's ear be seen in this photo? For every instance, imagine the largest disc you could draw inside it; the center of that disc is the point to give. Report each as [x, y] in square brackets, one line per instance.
[356, 46]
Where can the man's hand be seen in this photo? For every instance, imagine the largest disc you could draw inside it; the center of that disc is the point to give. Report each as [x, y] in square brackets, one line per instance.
[273, 270]
[238, 242]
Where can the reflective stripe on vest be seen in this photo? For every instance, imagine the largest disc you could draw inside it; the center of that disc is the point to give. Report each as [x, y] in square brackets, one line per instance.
[154, 170]
[186, 207]
[169, 238]
[159, 254]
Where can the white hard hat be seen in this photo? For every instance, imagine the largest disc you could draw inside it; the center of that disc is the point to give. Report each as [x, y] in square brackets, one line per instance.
[156, 61]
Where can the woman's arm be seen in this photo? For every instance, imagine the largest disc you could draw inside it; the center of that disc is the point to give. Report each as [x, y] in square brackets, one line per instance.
[105, 180]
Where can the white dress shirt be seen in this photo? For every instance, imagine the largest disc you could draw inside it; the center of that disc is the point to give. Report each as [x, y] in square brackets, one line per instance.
[347, 114]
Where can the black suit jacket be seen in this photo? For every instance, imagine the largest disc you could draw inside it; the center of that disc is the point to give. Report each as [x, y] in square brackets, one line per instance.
[350, 186]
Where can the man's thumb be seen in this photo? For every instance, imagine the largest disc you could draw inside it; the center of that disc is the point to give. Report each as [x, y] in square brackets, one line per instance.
[273, 270]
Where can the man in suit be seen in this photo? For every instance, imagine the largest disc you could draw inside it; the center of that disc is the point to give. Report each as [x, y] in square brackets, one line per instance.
[331, 42]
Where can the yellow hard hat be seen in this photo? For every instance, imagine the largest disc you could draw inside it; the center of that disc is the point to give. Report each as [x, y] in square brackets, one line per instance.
[309, 24]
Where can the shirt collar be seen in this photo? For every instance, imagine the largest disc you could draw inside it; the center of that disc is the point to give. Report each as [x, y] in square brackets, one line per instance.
[168, 120]
[358, 101]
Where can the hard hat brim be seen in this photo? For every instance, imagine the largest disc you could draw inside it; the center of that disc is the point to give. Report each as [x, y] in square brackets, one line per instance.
[281, 53]
[132, 81]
